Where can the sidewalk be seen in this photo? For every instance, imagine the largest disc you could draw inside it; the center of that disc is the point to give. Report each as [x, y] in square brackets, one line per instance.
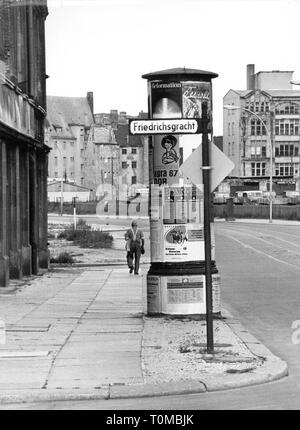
[83, 334]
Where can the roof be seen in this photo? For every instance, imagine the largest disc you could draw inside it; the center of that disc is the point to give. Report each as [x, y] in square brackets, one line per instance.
[181, 73]
[64, 111]
[273, 93]
[67, 186]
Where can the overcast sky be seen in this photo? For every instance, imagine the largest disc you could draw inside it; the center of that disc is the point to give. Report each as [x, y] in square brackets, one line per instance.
[105, 46]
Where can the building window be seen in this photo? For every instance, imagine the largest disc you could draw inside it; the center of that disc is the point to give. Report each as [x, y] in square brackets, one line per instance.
[81, 180]
[285, 150]
[55, 161]
[263, 151]
[284, 169]
[258, 169]
[229, 149]
[232, 148]
[55, 174]
[229, 129]
[257, 128]
[81, 152]
[255, 151]
[287, 127]
[133, 164]
[133, 150]
[133, 180]
[72, 159]
[81, 167]
[124, 151]
[124, 165]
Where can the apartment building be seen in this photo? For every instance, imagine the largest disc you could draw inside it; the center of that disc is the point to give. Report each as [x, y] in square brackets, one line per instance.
[23, 154]
[266, 115]
[102, 161]
[69, 120]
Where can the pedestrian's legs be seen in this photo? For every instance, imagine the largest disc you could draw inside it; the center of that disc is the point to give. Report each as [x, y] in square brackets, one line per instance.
[137, 256]
[130, 260]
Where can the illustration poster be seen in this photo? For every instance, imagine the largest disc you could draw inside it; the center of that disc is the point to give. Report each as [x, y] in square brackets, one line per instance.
[193, 95]
[166, 160]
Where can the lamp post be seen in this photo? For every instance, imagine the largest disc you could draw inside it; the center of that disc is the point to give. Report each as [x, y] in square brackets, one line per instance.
[233, 107]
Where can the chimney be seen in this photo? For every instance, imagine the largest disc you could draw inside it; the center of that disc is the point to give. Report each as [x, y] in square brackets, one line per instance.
[90, 99]
[250, 76]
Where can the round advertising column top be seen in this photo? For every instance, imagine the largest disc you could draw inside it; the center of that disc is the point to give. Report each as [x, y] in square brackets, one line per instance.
[182, 74]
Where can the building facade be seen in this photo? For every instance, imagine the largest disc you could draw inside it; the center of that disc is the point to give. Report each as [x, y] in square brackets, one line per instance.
[24, 156]
[68, 124]
[102, 162]
[264, 123]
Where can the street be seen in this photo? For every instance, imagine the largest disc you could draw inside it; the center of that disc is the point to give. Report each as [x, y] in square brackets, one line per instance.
[259, 266]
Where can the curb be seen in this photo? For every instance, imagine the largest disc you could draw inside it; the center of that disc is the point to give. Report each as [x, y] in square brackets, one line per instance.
[272, 369]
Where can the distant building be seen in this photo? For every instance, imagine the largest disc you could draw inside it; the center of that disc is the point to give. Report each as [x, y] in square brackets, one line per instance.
[269, 95]
[69, 120]
[23, 154]
[134, 170]
[102, 162]
[69, 191]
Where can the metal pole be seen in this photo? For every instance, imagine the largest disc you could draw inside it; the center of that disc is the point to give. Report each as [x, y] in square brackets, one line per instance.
[271, 167]
[207, 234]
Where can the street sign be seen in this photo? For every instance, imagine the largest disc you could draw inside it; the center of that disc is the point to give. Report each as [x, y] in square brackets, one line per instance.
[221, 165]
[165, 126]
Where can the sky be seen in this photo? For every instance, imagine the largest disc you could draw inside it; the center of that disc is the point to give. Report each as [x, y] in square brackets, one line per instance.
[105, 46]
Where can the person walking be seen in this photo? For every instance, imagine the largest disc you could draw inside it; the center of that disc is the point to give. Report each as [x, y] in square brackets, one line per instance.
[134, 246]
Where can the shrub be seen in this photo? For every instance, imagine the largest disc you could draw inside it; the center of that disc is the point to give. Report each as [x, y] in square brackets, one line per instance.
[85, 237]
[63, 258]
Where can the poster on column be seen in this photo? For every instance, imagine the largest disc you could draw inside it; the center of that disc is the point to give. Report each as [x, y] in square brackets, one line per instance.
[193, 95]
[166, 160]
[183, 242]
[166, 99]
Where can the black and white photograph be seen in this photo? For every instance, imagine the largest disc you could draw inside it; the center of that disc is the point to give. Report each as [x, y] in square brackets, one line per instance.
[149, 208]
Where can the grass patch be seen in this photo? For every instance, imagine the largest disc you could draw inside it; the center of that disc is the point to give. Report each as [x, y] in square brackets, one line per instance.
[62, 258]
[86, 237]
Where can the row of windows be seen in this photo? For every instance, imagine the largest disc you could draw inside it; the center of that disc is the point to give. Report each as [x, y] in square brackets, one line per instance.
[258, 106]
[284, 169]
[287, 127]
[257, 128]
[287, 109]
[133, 150]
[286, 150]
[258, 169]
[281, 169]
[264, 107]
[125, 164]
[258, 151]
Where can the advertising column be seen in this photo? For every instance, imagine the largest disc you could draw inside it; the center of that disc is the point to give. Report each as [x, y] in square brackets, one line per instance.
[176, 279]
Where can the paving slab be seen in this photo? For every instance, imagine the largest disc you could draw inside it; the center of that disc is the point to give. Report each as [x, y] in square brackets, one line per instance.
[100, 344]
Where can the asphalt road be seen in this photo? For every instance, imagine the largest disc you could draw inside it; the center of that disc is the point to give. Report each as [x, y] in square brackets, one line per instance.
[260, 273]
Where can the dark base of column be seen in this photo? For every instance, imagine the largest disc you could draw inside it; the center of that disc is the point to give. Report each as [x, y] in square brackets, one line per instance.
[15, 264]
[43, 258]
[4, 271]
[181, 268]
[26, 260]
